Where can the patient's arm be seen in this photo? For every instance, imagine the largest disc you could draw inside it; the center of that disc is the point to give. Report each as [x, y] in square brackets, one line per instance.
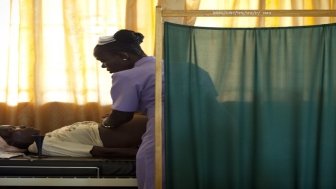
[7, 148]
[104, 152]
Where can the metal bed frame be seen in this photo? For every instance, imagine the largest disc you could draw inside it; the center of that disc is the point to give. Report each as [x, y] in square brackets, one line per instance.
[103, 182]
[23, 171]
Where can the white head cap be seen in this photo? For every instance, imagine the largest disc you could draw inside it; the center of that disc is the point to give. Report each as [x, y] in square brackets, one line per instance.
[105, 39]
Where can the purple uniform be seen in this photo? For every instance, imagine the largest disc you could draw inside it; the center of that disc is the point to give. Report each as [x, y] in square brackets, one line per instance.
[134, 90]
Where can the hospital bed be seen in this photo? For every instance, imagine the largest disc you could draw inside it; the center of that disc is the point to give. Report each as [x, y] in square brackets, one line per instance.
[31, 170]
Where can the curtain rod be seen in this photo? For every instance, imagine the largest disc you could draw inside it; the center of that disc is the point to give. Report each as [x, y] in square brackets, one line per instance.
[249, 13]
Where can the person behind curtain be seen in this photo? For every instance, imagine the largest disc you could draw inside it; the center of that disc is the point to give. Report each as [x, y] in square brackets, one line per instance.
[133, 82]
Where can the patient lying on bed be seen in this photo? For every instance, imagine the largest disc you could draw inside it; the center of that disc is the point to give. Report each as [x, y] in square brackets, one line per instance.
[81, 139]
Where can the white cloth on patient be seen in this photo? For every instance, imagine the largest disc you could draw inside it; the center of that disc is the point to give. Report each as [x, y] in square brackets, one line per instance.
[7, 151]
[74, 140]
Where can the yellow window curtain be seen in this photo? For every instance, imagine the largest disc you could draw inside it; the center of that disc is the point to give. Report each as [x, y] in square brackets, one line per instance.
[48, 76]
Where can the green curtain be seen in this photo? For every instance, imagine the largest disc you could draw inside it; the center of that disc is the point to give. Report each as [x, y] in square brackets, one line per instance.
[250, 107]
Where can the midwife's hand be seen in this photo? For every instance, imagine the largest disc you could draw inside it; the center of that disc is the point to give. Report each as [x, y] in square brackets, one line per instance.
[105, 116]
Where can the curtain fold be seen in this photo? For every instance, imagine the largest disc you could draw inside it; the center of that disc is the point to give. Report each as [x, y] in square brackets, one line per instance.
[250, 107]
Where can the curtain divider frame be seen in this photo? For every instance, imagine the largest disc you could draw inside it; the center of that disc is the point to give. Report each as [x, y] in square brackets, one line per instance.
[249, 13]
[158, 98]
[160, 14]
